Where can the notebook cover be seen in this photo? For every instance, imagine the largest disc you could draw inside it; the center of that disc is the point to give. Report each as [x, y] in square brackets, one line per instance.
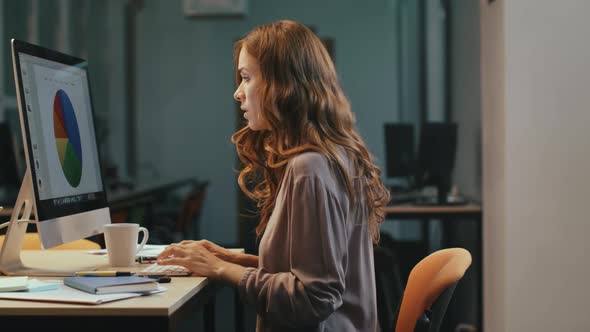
[109, 285]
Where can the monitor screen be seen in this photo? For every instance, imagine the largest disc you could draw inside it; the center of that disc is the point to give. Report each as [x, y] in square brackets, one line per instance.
[436, 155]
[62, 158]
[399, 150]
[62, 148]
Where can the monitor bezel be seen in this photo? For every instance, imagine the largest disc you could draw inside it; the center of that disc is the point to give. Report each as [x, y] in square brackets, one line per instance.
[44, 209]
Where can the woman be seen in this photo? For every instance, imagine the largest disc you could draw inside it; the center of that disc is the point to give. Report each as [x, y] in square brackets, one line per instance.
[320, 196]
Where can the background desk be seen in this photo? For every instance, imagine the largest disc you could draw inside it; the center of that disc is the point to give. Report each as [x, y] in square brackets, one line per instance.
[433, 211]
[146, 194]
[448, 215]
[126, 198]
[170, 210]
[173, 310]
[445, 213]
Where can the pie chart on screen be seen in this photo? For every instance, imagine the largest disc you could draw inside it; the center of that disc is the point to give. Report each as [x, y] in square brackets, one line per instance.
[67, 138]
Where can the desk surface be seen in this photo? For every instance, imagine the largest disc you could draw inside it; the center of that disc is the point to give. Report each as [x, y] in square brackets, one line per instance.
[180, 290]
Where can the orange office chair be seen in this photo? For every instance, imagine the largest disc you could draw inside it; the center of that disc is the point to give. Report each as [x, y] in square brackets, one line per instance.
[32, 242]
[429, 290]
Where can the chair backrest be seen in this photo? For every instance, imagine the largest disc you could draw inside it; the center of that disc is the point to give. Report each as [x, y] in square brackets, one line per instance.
[32, 242]
[437, 273]
[191, 210]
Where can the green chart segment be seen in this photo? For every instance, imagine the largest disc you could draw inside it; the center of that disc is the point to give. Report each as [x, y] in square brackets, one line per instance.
[67, 138]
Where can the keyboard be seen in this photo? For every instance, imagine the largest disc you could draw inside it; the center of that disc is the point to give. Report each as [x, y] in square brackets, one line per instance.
[169, 270]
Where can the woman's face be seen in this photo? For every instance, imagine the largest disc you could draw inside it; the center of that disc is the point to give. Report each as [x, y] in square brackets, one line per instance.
[248, 92]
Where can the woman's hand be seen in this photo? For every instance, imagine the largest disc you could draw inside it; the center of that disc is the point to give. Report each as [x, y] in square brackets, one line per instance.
[194, 256]
[225, 254]
[220, 252]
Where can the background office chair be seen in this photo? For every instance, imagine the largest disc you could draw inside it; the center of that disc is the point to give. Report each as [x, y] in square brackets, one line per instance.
[429, 290]
[33, 242]
[179, 218]
[188, 222]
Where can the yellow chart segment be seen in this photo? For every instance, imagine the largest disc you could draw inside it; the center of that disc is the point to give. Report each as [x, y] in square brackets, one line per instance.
[62, 144]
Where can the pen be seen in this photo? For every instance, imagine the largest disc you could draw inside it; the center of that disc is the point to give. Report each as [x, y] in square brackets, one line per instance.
[103, 274]
[164, 280]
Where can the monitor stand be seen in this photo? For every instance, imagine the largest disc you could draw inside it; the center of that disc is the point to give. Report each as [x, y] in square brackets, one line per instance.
[10, 253]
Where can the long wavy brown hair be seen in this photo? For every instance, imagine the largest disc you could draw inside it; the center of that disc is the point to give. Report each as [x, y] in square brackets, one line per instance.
[303, 103]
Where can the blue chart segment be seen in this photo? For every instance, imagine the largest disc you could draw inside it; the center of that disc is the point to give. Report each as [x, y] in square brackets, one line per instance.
[67, 138]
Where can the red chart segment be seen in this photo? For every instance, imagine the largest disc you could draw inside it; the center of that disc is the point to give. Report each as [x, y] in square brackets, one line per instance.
[67, 138]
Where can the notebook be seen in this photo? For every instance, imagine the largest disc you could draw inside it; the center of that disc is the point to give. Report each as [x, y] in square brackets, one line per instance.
[110, 285]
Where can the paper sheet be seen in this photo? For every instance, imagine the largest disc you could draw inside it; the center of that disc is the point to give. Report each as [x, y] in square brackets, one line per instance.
[67, 294]
[149, 250]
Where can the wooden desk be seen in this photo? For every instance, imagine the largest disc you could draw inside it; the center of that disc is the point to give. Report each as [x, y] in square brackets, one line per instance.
[432, 211]
[447, 214]
[173, 310]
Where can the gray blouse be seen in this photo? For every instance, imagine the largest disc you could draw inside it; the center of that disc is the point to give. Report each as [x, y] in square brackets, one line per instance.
[315, 268]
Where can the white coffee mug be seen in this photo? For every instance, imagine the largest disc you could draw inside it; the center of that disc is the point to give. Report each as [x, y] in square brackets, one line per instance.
[121, 242]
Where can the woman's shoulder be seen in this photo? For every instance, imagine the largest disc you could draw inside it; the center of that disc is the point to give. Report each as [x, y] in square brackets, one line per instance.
[310, 163]
[316, 167]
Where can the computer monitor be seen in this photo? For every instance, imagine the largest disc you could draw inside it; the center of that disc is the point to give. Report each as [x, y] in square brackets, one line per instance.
[399, 150]
[436, 156]
[62, 188]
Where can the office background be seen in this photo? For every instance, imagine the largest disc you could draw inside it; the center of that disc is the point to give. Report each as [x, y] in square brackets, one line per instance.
[392, 58]
[162, 82]
[521, 104]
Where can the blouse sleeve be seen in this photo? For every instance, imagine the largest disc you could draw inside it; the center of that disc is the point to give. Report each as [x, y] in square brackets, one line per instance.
[312, 289]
